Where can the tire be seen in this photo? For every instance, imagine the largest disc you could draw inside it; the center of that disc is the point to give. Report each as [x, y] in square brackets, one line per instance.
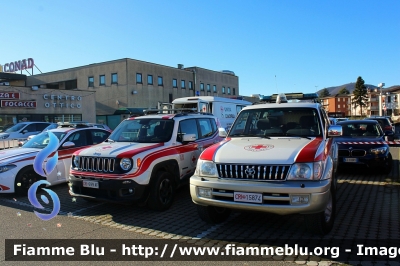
[213, 215]
[387, 167]
[24, 180]
[162, 192]
[322, 223]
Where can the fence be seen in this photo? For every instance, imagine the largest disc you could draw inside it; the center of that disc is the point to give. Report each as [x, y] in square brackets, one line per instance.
[8, 143]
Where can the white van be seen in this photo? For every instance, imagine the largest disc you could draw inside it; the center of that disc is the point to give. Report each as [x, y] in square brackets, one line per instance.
[225, 109]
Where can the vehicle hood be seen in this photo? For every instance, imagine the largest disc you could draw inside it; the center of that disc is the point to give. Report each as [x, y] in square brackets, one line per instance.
[117, 149]
[16, 154]
[264, 151]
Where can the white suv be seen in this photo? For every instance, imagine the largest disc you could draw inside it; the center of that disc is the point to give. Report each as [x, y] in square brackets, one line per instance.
[144, 160]
[278, 158]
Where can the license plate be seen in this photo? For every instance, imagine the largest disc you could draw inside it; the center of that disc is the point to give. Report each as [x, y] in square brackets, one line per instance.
[350, 160]
[247, 197]
[91, 184]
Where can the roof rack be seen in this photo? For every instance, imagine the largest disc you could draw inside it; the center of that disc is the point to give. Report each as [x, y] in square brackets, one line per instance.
[78, 124]
[169, 111]
[293, 97]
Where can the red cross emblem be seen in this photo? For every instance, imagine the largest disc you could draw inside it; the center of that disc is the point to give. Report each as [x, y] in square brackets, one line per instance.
[193, 159]
[258, 147]
[106, 147]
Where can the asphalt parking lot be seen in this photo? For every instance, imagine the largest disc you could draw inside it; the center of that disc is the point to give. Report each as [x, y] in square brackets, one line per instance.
[367, 209]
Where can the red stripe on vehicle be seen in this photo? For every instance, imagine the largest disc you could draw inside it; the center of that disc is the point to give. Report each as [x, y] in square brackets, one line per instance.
[307, 153]
[4, 187]
[138, 150]
[208, 154]
[327, 151]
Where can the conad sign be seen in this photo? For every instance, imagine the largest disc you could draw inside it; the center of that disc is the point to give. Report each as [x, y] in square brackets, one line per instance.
[18, 65]
[15, 103]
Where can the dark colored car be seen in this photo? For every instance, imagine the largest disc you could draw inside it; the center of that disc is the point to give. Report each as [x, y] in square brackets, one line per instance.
[385, 124]
[363, 144]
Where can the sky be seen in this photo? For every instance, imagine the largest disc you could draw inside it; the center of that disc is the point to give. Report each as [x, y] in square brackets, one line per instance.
[271, 45]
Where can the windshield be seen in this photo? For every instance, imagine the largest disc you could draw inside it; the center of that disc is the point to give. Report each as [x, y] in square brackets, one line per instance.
[361, 129]
[15, 128]
[143, 131]
[41, 140]
[266, 122]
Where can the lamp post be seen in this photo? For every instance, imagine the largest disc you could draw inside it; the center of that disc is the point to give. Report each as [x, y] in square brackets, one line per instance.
[380, 85]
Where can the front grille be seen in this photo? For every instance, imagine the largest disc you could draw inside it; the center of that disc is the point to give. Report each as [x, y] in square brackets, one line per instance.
[358, 153]
[253, 172]
[354, 153]
[97, 164]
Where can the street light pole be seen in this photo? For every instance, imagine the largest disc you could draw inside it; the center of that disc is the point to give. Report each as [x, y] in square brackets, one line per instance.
[380, 85]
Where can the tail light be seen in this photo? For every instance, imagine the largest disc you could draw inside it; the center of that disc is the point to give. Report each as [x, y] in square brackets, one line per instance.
[387, 128]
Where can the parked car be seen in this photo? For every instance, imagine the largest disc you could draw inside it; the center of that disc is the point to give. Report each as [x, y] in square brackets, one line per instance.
[16, 165]
[102, 126]
[144, 160]
[277, 158]
[385, 123]
[362, 144]
[23, 130]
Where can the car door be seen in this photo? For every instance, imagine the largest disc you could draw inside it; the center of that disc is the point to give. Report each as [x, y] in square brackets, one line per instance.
[81, 140]
[190, 153]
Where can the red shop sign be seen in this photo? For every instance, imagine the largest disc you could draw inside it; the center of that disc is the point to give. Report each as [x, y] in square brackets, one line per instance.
[16, 103]
[9, 95]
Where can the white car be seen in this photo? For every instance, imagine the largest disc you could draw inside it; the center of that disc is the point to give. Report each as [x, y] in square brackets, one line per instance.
[16, 165]
[23, 130]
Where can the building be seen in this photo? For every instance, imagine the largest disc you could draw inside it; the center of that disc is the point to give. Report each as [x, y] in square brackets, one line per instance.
[389, 101]
[123, 85]
[22, 103]
[338, 105]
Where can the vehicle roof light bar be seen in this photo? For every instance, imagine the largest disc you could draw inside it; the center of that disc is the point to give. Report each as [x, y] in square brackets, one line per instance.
[293, 97]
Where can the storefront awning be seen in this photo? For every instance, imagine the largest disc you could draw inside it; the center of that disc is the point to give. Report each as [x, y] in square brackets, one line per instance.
[130, 111]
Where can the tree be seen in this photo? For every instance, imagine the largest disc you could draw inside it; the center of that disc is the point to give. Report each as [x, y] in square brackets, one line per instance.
[343, 91]
[360, 94]
[324, 93]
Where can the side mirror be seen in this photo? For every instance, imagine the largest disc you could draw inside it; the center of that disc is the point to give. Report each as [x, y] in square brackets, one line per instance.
[188, 138]
[68, 144]
[222, 132]
[335, 131]
[25, 131]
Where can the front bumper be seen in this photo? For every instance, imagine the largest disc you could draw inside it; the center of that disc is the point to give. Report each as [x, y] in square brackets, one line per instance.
[276, 196]
[120, 190]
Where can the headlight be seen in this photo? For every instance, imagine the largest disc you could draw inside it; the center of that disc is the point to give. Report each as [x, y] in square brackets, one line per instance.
[125, 164]
[5, 168]
[76, 161]
[380, 150]
[206, 168]
[306, 171]
[4, 136]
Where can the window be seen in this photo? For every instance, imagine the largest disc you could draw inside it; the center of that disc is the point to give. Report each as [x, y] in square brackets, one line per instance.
[183, 86]
[202, 86]
[138, 78]
[229, 90]
[208, 87]
[338, 99]
[174, 83]
[190, 85]
[114, 78]
[149, 79]
[233, 91]
[338, 106]
[223, 90]
[91, 82]
[214, 88]
[188, 126]
[102, 80]
[206, 129]
[160, 81]
[79, 138]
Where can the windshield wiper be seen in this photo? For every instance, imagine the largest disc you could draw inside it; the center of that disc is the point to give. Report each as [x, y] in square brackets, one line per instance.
[297, 136]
